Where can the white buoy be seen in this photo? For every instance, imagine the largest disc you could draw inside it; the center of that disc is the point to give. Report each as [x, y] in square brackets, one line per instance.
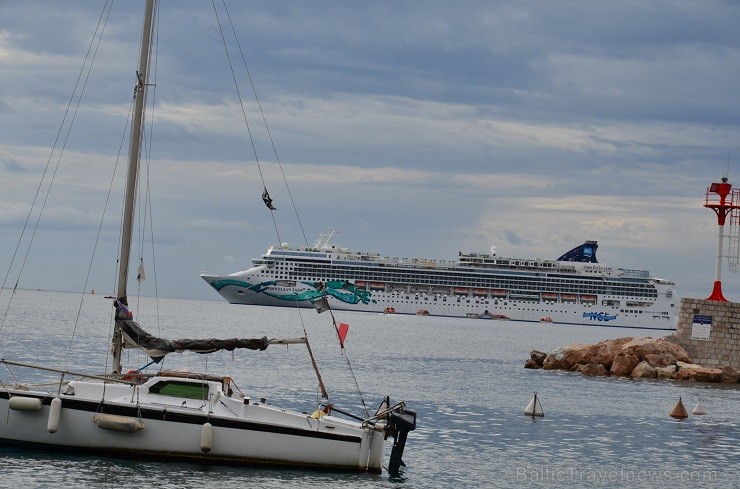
[534, 408]
[55, 412]
[698, 409]
[206, 438]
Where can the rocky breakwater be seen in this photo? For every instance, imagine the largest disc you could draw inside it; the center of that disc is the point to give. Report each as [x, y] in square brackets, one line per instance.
[629, 357]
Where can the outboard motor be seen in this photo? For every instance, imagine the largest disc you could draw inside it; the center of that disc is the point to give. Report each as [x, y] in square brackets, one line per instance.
[400, 422]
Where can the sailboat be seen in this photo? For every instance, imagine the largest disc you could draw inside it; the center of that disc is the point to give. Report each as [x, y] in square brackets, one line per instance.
[186, 415]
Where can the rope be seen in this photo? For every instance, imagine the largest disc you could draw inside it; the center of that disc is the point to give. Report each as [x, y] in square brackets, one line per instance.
[264, 120]
[102, 22]
[349, 365]
[244, 115]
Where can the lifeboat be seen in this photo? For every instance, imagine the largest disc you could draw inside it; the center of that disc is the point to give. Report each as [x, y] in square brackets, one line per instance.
[422, 312]
[548, 296]
[569, 297]
[480, 292]
[389, 310]
[588, 298]
[460, 291]
[498, 293]
[377, 286]
[359, 284]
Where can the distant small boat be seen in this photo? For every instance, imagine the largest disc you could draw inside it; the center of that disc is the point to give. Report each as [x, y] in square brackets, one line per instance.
[546, 319]
[501, 317]
[389, 310]
[422, 312]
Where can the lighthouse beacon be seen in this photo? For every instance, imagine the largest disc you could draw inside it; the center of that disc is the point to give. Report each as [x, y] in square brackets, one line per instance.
[722, 199]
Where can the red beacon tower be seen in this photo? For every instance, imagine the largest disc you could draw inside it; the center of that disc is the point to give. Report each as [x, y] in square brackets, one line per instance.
[722, 199]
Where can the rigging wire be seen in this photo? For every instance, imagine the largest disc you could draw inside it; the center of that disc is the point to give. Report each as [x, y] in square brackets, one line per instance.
[264, 120]
[244, 114]
[259, 167]
[148, 152]
[97, 34]
[349, 365]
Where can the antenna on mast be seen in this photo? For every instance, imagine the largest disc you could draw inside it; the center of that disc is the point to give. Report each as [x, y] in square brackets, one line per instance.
[727, 173]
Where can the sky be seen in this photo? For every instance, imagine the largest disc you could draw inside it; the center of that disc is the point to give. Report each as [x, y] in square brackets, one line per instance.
[415, 129]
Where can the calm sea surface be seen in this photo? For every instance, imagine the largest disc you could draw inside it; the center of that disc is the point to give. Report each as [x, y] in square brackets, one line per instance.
[464, 377]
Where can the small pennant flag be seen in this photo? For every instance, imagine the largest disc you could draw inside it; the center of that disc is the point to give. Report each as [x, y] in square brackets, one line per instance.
[342, 332]
[267, 200]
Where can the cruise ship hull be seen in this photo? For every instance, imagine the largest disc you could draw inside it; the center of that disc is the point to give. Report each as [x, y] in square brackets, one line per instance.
[562, 309]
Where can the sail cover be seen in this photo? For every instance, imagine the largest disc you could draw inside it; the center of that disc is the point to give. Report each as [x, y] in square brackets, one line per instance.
[135, 336]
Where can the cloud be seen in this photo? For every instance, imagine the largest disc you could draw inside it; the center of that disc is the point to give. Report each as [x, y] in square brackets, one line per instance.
[415, 129]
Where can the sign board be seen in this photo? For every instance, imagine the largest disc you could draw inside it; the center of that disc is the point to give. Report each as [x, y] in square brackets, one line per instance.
[701, 328]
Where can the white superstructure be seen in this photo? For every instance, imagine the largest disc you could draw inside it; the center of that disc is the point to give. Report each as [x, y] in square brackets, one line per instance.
[575, 289]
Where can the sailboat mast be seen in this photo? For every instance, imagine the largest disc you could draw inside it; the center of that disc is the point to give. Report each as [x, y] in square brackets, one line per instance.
[133, 170]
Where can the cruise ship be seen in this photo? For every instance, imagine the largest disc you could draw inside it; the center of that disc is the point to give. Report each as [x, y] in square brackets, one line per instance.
[574, 289]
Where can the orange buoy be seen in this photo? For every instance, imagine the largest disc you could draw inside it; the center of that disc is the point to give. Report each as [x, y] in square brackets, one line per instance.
[679, 412]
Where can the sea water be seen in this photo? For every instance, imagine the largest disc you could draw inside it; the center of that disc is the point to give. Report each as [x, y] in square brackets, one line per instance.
[464, 377]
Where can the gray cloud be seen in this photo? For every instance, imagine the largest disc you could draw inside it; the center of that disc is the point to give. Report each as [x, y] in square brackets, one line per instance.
[416, 129]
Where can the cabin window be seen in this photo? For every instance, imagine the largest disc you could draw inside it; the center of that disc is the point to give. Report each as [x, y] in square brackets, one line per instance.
[188, 390]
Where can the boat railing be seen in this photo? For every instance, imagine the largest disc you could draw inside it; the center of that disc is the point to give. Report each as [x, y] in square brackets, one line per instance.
[64, 372]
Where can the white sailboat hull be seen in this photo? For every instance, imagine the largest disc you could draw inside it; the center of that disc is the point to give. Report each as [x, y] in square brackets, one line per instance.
[252, 433]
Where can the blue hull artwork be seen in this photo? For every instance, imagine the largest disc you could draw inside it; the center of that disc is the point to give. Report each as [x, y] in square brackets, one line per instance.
[599, 316]
[343, 291]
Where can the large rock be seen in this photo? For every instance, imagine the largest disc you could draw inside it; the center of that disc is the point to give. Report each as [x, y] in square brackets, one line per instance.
[649, 346]
[668, 372]
[605, 351]
[624, 364]
[730, 375]
[643, 370]
[592, 369]
[688, 365]
[660, 360]
[568, 357]
[701, 374]
[538, 356]
[531, 364]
